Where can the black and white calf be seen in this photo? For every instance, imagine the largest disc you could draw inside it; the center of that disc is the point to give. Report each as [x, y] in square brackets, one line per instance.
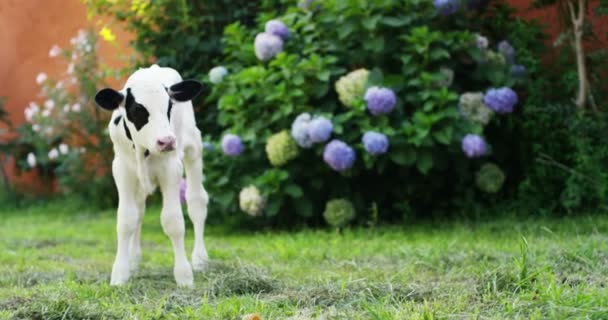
[155, 138]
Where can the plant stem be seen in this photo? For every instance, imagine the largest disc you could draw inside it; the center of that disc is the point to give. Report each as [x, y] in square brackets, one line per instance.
[578, 19]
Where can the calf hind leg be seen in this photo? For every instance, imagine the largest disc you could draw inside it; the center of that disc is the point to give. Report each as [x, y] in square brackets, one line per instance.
[197, 199]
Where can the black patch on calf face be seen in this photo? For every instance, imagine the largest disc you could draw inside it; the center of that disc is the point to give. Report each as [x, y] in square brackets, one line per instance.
[127, 132]
[117, 120]
[169, 110]
[136, 113]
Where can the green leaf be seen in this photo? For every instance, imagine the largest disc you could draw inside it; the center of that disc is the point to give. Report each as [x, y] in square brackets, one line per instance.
[403, 157]
[424, 162]
[396, 21]
[294, 191]
[273, 207]
[444, 136]
[303, 207]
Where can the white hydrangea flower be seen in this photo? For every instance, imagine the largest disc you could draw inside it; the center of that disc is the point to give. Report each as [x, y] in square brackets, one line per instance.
[351, 86]
[251, 201]
[217, 74]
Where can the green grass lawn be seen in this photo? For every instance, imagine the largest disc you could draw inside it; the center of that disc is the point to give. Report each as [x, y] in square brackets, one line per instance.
[55, 264]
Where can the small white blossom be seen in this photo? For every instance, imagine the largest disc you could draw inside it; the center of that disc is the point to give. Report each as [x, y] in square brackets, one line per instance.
[66, 108]
[63, 148]
[76, 107]
[36, 128]
[49, 104]
[82, 150]
[31, 160]
[53, 154]
[46, 113]
[70, 69]
[55, 51]
[41, 77]
[59, 84]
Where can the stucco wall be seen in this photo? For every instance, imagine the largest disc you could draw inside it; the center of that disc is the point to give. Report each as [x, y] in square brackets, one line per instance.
[28, 29]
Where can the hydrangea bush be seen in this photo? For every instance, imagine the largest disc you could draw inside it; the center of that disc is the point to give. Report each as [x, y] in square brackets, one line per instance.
[382, 104]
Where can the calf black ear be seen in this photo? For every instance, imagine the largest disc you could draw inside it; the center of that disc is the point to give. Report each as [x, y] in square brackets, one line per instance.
[109, 99]
[185, 90]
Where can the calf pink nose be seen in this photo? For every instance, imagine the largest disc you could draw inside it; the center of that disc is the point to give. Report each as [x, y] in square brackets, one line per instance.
[166, 144]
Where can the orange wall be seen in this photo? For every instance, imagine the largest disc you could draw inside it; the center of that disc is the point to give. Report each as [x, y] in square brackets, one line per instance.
[28, 29]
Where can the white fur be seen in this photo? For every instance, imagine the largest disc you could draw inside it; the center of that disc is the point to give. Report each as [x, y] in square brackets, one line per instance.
[136, 176]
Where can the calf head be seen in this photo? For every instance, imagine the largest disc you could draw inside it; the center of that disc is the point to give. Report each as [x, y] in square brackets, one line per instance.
[148, 107]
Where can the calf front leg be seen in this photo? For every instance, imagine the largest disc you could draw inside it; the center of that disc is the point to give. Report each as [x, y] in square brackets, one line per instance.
[197, 199]
[126, 222]
[135, 245]
[172, 220]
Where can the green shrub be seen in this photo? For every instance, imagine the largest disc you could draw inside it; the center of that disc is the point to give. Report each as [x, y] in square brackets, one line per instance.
[426, 59]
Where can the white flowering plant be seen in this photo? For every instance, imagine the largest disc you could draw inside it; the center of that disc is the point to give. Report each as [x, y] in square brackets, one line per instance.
[64, 135]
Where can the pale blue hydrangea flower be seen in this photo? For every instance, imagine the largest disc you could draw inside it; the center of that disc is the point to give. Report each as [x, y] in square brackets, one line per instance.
[320, 129]
[505, 48]
[446, 7]
[375, 143]
[277, 28]
[473, 146]
[380, 100]
[518, 71]
[232, 145]
[267, 46]
[338, 155]
[501, 100]
[299, 130]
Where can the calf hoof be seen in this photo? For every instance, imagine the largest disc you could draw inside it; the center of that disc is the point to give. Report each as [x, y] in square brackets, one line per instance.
[120, 274]
[183, 275]
[200, 260]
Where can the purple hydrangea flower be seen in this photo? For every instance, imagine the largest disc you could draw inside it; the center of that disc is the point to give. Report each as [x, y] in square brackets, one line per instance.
[338, 155]
[182, 191]
[473, 146]
[299, 130]
[232, 145]
[446, 7]
[502, 100]
[505, 48]
[375, 143]
[267, 46]
[380, 100]
[277, 28]
[518, 71]
[319, 130]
